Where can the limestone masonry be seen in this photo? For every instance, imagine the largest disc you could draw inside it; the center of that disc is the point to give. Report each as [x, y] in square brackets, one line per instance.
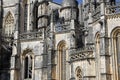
[44, 40]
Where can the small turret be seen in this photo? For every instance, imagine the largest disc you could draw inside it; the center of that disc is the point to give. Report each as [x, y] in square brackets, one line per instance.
[69, 10]
[67, 3]
[43, 13]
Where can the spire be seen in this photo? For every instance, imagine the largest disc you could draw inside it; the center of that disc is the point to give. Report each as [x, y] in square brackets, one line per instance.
[67, 3]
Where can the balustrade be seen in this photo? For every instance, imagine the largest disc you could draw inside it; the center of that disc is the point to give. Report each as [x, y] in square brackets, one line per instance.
[113, 9]
[82, 53]
[31, 35]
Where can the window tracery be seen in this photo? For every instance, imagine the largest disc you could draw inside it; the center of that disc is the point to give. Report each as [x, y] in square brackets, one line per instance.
[27, 64]
[79, 73]
[62, 60]
[9, 21]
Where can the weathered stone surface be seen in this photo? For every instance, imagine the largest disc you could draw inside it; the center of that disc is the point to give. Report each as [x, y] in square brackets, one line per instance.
[60, 41]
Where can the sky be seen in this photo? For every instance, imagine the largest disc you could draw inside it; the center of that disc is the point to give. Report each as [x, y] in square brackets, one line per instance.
[59, 1]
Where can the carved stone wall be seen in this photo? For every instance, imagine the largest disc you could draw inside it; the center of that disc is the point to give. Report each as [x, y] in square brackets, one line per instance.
[88, 50]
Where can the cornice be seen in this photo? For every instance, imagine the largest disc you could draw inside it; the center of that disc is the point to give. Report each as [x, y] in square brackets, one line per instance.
[113, 16]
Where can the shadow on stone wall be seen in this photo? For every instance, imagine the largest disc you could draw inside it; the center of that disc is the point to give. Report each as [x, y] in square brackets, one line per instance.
[5, 56]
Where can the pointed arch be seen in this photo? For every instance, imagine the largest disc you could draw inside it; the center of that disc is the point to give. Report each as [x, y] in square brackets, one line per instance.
[97, 55]
[27, 51]
[62, 60]
[115, 39]
[61, 44]
[79, 73]
[8, 24]
[9, 13]
[27, 64]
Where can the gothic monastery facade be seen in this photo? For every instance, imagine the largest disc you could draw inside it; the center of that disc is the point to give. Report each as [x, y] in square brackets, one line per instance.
[44, 40]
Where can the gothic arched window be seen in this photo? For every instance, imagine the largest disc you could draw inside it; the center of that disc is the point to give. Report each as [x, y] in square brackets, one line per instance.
[97, 55]
[118, 53]
[28, 67]
[62, 60]
[116, 50]
[97, 43]
[9, 21]
[27, 59]
[78, 73]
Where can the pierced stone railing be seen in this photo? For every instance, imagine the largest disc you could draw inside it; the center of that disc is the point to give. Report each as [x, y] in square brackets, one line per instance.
[113, 9]
[7, 38]
[62, 27]
[84, 53]
[31, 35]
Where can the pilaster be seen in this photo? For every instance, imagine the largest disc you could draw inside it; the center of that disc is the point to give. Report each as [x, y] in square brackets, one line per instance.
[72, 72]
[44, 55]
[14, 69]
[51, 51]
[104, 52]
